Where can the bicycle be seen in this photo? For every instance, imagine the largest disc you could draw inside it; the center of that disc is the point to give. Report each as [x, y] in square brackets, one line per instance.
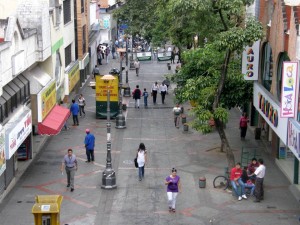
[222, 181]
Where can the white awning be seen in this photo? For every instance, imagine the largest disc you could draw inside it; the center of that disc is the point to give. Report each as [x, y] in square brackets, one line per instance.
[292, 2]
[38, 79]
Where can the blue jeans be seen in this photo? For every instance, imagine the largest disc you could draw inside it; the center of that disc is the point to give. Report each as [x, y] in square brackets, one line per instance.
[250, 186]
[145, 101]
[141, 172]
[234, 186]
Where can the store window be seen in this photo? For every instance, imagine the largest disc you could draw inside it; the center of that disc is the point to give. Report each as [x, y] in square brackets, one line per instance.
[67, 11]
[68, 55]
[282, 57]
[82, 6]
[84, 39]
[267, 66]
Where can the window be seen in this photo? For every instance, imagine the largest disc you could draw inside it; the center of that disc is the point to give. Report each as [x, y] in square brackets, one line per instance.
[7, 99]
[83, 39]
[82, 6]
[67, 11]
[17, 96]
[68, 55]
[12, 97]
[282, 57]
[3, 109]
[267, 66]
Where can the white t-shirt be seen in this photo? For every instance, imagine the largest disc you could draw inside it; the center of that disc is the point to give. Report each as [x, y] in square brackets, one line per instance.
[163, 88]
[177, 111]
[141, 158]
[260, 171]
[81, 101]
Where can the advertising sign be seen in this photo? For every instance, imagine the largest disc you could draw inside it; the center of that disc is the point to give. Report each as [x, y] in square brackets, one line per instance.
[16, 132]
[164, 56]
[269, 109]
[144, 56]
[101, 89]
[46, 100]
[293, 141]
[73, 77]
[250, 61]
[289, 88]
[2, 151]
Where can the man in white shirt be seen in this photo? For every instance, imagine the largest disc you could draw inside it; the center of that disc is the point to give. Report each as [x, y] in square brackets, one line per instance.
[259, 182]
[177, 112]
[154, 89]
[163, 91]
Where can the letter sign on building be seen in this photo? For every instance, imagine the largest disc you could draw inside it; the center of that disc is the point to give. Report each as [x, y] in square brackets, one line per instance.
[250, 61]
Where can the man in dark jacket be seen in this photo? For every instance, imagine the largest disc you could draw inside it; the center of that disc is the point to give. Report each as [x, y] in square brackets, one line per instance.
[137, 96]
[75, 110]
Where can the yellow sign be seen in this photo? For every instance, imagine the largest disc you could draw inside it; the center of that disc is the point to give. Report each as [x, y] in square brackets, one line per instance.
[48, 99]
[102, 87]
[74, 76]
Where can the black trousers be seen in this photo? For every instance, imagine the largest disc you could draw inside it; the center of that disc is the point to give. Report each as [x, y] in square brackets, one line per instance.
[259, 188]
[90, 155]
[163, 96]
[81, 109]
[154, 93]
[75, 120]
[243, 132]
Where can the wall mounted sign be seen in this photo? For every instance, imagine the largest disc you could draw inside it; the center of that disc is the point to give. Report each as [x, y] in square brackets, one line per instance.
[250, 61]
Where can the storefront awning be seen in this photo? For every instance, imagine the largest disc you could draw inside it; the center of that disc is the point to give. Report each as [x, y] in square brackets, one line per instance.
[54, 121]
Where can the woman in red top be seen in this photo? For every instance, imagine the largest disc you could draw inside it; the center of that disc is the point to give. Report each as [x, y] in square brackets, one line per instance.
[243, 125]
[235, 178]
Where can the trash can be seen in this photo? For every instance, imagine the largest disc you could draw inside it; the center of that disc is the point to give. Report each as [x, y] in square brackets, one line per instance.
[169, 66]
[257, 133]
[183, 119]
[202, 182]
[185, 127]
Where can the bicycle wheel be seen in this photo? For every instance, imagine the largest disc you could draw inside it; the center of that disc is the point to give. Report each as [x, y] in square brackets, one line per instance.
[221, 182]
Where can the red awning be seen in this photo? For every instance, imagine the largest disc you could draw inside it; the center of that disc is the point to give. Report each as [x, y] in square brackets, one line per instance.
[54, 121]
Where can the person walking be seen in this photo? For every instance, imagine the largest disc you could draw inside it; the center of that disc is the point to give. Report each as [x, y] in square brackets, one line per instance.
[81, 103]
[145, 94]
[141, 160]
[95, 71]
[173, 187]
[75, 110]
[113, 51]
[107, 51]
[235, 178]
[137, 96]
[259, 181]
[62, 104]
[154, 90]
[137, 67]
[177, 112]
[163, 91]
[243, 125]
[70, 164]
[89, 143]
[173, 53]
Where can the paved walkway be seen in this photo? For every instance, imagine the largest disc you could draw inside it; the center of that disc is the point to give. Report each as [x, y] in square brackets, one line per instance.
[134, 202]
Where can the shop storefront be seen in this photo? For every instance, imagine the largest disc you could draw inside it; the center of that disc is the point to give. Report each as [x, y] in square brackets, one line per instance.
[18, 142]
[72, 77]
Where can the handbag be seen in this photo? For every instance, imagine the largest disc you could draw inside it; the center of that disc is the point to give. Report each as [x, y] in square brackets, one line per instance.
[136, 163]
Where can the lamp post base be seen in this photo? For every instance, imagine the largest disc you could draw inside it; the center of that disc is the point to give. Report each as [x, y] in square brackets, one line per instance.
[126, 92]
[108, 179]
[120, 121]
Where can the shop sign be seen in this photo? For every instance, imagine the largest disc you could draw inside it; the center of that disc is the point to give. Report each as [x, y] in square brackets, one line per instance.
[16, 132]
[164, 56]
[2, 151]
[73, 77]
[289, 88]
[101, 89]
[46, 100]
[250, 61]
[269, 109]
[144, 56]
[293, 141]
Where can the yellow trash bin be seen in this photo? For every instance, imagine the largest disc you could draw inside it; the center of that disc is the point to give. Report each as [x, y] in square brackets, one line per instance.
[46, 210]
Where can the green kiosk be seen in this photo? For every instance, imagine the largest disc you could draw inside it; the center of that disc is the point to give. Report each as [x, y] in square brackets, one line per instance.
[101, 96]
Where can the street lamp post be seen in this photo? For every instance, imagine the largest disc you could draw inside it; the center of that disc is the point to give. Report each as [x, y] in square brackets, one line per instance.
[120, 119]
[108, 175]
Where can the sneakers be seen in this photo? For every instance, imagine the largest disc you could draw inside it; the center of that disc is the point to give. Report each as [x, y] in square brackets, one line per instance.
[240, 198]
[244, 196]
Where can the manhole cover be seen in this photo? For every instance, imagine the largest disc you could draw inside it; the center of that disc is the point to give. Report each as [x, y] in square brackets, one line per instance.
[128, 162]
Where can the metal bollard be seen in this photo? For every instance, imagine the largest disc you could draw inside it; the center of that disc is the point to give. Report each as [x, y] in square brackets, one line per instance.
[202, 182]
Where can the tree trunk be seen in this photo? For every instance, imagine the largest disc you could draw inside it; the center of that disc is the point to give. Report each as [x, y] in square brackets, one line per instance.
[219, 124]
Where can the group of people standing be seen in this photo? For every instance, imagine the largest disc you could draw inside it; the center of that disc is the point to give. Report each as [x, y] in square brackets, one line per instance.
[104, 52]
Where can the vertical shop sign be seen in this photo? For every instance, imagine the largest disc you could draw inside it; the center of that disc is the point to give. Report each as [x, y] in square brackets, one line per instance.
[294, 138]
[289, 88]
[250, 61]
[2, 151]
